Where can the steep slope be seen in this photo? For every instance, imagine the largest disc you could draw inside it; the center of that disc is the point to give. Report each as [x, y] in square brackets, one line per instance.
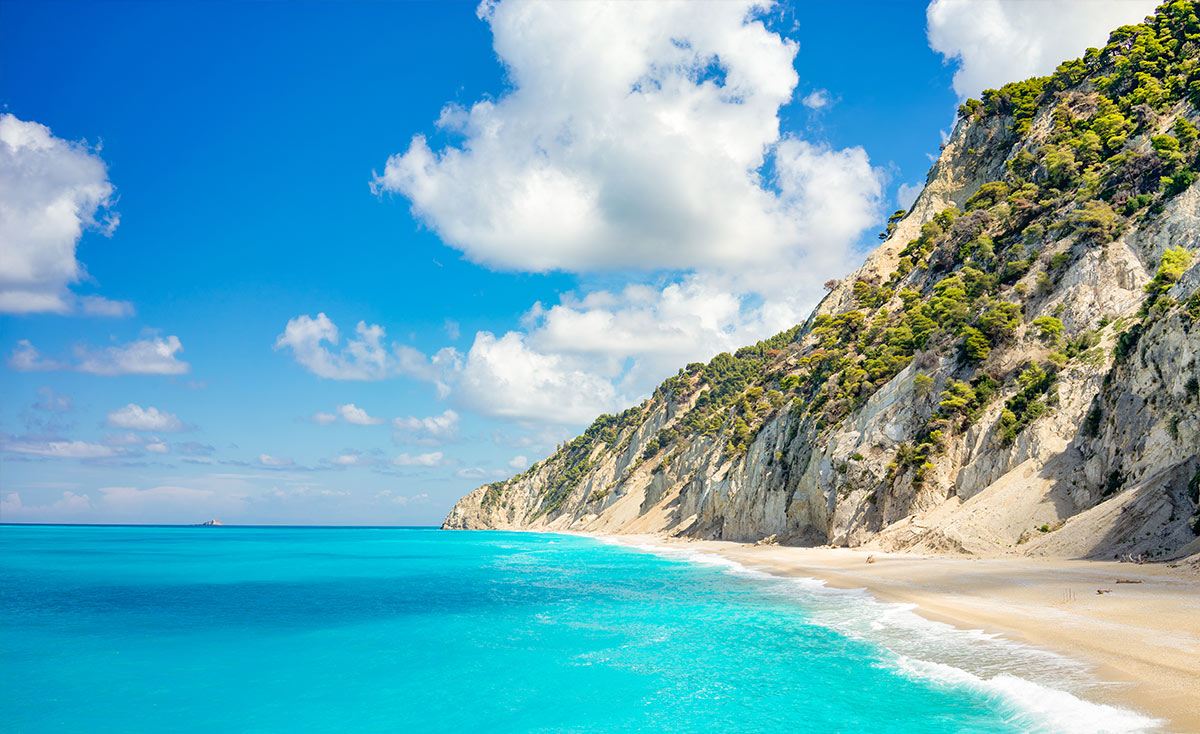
[1013, 370]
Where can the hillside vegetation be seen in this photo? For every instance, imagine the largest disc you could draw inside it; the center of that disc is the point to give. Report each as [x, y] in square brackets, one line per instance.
[1013, 370]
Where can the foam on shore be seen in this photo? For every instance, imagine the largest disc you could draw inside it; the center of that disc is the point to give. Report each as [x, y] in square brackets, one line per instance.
[1036, 689]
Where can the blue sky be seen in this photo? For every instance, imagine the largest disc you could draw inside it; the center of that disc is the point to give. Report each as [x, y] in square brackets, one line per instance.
[196, 194]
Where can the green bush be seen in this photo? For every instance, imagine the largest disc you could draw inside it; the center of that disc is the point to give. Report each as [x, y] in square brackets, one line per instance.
[1170, 269]
[1049, 328]
[975, 345]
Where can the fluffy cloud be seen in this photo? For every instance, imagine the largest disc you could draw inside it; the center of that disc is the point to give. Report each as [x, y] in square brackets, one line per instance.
[362, 358]
[136, 418]
[324, 419]
[434, 458]
[357, 416]
[518, 462]
[433, 428]
[1001, 41]
[156, 446]
[51, 190]
[643, 136]
[505, 378]
[600, 352]
[275, 462]
[689, 320]
[636, 134]
[151, 355]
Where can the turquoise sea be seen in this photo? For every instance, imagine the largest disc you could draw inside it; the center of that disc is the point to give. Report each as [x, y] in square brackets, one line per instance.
[170, 629]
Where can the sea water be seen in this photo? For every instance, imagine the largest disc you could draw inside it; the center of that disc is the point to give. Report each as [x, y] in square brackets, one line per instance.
[170, 629]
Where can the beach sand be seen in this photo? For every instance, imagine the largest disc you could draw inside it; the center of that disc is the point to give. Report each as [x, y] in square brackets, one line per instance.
[1145, 635]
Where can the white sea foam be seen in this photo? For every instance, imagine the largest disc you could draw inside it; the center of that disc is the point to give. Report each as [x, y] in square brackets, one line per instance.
[1036, 689]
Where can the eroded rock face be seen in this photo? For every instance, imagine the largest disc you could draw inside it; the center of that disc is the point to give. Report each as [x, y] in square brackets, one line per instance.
[1103, 467]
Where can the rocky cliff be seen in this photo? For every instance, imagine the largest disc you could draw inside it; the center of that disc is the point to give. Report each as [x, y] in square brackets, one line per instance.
[1013, 370]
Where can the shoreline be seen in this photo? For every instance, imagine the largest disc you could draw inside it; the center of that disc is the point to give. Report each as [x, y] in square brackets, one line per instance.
[1143, 635]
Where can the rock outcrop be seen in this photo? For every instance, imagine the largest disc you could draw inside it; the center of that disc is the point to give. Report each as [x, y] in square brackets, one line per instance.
[1014, 370]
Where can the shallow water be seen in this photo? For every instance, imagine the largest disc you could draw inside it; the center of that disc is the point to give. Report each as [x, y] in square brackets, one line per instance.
[310, 629]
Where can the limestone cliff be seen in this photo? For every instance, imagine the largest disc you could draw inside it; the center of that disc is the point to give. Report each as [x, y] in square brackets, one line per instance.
[1015, 368]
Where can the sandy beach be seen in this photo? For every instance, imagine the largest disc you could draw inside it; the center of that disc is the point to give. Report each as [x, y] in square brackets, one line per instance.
[1142, 631]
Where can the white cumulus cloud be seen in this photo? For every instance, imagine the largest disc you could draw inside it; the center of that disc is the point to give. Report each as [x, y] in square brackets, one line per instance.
[363, 358]
[999, 41]
[505, 378]
[51, 191]
[315, 345]
[136, 418]
[635, 135]
[150, 356]
[435, 427]
[357, 416]
[324, 419]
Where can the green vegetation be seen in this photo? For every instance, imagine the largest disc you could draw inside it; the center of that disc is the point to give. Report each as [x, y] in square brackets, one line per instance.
[892, 222]
[975, 345]
[574, 459]
[1093, 150]
[1140, 75]
[1050, 329]
[1173, 263]
[1028, 404]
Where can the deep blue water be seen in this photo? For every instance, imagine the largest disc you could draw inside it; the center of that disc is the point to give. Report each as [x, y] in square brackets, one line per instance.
[153, 629]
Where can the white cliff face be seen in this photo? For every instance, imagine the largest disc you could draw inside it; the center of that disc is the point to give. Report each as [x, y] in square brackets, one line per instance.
[1120, 491]
[1103, 470]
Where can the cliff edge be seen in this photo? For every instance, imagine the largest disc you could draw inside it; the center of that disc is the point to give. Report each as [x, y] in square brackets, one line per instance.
[1014, 370]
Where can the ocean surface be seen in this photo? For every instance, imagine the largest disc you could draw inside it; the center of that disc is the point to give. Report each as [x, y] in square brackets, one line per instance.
[156, 629]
